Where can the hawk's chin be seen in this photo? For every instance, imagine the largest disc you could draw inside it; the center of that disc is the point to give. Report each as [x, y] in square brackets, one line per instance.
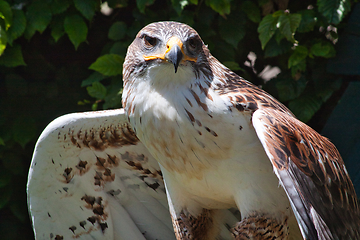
[163, 73]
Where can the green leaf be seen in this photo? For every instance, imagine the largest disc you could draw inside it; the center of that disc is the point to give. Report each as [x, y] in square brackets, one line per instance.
[5, 196]
[179, 5]
[305, 107]
[94, 77]
[326, 92]
[141, 4]
[59, 6]
[24, 130]
[308, 20]
[38, 17]
[323, 49]
[298, 55]
[232, 30]
[278, 36]
[117, 31]
[273, 48]
[119, 48]
[113, 97]
[289, 89]
[3, 40]
[252, 11]
[5, 177]
[97, 90]
[234, 66]
[87, 7]
[108, 65]
[300, 67]
[220, 6]
[334, 10]
[12, 57]
[18, 27]
[266, 29]
[6, 13]
[94, 107]
[57, 27]
[117, 3]
[288, 23]
[2, 142]
[76, 29]
[19, 210]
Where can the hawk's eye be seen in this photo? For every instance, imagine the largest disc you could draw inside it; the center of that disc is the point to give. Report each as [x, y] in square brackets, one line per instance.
[193, 44]
[150, 41]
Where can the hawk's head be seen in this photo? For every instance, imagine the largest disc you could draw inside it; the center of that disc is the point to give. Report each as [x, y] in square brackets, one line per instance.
[162, 46]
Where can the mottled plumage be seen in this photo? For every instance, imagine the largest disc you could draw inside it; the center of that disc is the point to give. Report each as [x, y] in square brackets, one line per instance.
[234, 162]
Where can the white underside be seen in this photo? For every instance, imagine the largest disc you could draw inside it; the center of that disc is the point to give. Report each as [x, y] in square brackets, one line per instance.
[205, 171]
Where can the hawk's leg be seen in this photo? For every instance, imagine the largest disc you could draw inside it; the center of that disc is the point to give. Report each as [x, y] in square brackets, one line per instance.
[259, 226]
[200, 227]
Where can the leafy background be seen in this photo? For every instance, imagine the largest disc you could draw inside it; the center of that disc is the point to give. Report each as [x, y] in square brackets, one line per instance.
[62, 56]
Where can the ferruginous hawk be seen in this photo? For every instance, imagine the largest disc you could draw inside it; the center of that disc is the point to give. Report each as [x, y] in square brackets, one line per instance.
[231, 160]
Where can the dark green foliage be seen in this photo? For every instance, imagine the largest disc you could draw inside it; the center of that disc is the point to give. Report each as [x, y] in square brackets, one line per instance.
[62, 56]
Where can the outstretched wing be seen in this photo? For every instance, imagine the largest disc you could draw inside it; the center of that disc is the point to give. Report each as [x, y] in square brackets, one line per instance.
[311, 171]
[91, 178]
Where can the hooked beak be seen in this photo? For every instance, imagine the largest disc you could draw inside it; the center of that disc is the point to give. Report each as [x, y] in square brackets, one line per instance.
[174, 53]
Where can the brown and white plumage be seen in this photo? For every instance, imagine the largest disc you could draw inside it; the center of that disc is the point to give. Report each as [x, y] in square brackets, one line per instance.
[220, 143]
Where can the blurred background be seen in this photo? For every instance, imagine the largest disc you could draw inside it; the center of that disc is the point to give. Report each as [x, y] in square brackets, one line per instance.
[63, 56]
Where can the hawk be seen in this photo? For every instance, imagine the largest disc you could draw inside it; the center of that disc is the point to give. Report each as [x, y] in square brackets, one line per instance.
[197, 151]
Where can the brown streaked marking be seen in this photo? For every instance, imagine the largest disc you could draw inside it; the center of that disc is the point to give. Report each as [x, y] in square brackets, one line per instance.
[208, 95]
[92, 219]
[108, 176]
[67, 175]
[208, 83]
[113, 135]
[113, 160]
[198, 122]
[103, 226]
[197, 99]
[153, 186]
[107, 172]
[252, 106]
[199, 227]
[90, 200]
[98, 178]
[260, 226]
[239, 98]
[239, 107]
[206, 92]
[72, 228]
[241, 127]
[189, 102]
[59, 237]
[73, 140]
[211, 131]
[113, 193]
[100, 162]
[82, 164]
[82, 224]
[191, 117]
[98, 210]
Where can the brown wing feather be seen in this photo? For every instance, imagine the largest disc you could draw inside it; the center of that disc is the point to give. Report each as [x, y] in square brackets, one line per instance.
[316, 172]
